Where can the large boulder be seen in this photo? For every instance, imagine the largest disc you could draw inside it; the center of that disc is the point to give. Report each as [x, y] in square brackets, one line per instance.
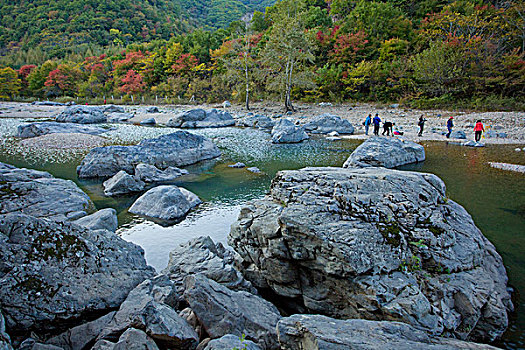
[374, 243]
[201, 255]
[104, 219]
[229, 342]
[316, 332]
[285, 131]
[39, 194]
[177, 149]
[119, 117]
[167, 203]
[458, 134]
[150, 173]
[113, 109]
[388, 152]
[327, 123]
[257, 121]
[81, 115]
[222, 311]
[131, 339]
[44, 128]
[56, 273]
[199, 118]
[122, 183]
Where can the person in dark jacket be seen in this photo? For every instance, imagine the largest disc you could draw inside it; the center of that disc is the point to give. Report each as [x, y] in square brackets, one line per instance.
[450, 124]
[377, 122]
[387, 128]
[421, 124]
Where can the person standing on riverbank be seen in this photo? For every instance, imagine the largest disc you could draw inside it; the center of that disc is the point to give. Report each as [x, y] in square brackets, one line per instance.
[450, 125]
[478, 129]
[421, 125]
[367, 123]
[377, 122]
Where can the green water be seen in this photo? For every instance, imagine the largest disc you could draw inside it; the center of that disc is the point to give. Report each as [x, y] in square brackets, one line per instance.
[495, 198]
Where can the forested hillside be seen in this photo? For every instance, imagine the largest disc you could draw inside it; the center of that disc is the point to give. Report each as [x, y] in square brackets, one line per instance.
[430, 53]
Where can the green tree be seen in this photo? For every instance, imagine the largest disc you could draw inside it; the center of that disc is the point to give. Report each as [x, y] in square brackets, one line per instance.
[38, 77]
[10, 84]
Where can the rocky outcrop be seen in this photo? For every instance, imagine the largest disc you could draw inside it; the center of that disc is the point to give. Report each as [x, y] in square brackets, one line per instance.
[104, 219]
[285, 131]
[131, 339]
[122, 183]
[44, 128]
[377, 244]
[327, 123]
[316, 332]
[113, 109]
[5, 340]
[199, 118]
[169, 203]
[257, 121]
[388, 152]
[229, 342]
[202, 256]
[177, 149]
[222, 311]
[39, 194]
[54, 273]
[82, 115]
[150, 173]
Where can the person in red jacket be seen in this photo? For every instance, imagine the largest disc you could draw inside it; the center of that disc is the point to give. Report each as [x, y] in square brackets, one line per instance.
[478, 129]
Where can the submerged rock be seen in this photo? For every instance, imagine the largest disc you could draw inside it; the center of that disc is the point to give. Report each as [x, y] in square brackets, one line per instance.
[82, 115]
[222, 311]
[199, 118]
[316, 332]
[55, 273]
[285, 131]
[327, 123]
[388, 152]
[473, 144]
[39, 194]
[150, 173]
[237, 165]
[377, 244]
[122, 183]
[44, 128]
[165, 203]
[104, 219]
[177, 149]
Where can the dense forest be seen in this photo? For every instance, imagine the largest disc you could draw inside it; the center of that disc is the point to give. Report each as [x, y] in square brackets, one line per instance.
[428, 53]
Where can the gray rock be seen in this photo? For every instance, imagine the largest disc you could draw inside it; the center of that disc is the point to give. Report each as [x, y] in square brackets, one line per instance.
[104, 219]
[316, 332]
[177, 149]
[327, 123]
[149, 121]
[222, 311]
[202, 256]
[150, 173]
[473, 144]
[257, 121]
[165, 203]
[113, 109]
[237, 165]
[32, 344]
[152, 109]
[374, 243]
[226, 104]
[82, 115]
[199, 118]
[458, 134]
[47, 103]
[44, 128]
[37, 193]
[388, 152]
[122, 183]
[254, 170]
[131, 339]
[119, 117]
[229, 342]
[285, 131]
[5, 340]
[150, 307]
[493, 134]
[55, 273]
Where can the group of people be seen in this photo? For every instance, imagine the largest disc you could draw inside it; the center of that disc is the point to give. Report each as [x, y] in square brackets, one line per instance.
[388, 126]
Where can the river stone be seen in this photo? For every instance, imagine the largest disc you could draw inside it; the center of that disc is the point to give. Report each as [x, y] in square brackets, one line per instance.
[473, 144]
[226, 104]
[177, 149]
[39, 194]
[152, 109]
[222, 311]
[327, 123]
[44, 128]
[199, 118]
[54, 273]
[119, 117]
[316, 332]
[229, 342]
[122, 183]
[458, 134]
[257, 121]
[113, 109]
[165, 203]
[47, 103]
[377, 244]
[202, 255]
[82, 115]
[150, 173]
[104, 219]
[285, 131]
[151, 307]
[149, 121]
[388, 152]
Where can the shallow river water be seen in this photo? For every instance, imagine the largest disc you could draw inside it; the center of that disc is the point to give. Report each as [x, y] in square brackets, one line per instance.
[495, 198]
